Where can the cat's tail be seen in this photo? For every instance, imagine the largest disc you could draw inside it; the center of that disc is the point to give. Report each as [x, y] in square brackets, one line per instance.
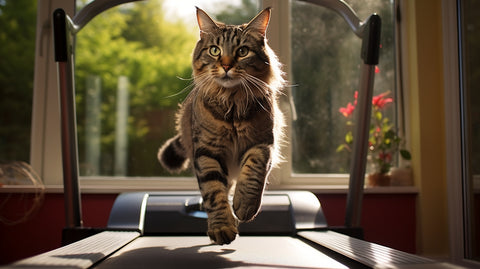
[172, 155]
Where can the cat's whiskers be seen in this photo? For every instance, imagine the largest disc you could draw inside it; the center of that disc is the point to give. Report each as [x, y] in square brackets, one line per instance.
[203, 81]
[191, 85]
[210, 89]
[248, 81]
[248, 91]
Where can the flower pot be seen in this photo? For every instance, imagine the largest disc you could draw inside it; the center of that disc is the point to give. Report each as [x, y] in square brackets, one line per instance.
[378, 179]
[402, 176]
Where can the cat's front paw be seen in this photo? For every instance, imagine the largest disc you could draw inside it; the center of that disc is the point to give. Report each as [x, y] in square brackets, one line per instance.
[223, 234]
[245, 209]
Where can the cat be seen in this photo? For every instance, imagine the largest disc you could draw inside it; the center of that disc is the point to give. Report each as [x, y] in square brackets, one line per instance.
[229, 126]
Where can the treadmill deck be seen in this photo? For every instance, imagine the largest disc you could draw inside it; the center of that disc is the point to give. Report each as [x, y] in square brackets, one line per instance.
[197, 252]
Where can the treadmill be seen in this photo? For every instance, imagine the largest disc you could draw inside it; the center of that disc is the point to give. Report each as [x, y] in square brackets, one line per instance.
[168, 229]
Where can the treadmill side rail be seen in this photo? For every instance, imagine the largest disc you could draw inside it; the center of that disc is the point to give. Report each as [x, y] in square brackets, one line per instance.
[81, 254]
[371, 254]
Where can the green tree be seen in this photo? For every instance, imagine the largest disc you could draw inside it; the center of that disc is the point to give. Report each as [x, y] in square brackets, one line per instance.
[17, 55]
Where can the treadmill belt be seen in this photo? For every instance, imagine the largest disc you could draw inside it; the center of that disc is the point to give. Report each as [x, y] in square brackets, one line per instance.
[197, 252]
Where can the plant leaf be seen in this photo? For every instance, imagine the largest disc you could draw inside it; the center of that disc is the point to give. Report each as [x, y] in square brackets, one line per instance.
[390, 134]
[405, 154]
[349, 137]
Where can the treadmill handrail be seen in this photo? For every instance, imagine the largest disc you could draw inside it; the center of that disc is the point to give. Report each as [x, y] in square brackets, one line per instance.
[345, 11]
[92, 10]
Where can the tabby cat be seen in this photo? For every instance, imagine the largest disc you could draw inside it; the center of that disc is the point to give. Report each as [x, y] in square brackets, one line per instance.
[229, 126]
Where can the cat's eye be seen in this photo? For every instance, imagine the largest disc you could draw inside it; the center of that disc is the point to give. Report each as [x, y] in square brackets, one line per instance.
[242, 51]
[214, 51]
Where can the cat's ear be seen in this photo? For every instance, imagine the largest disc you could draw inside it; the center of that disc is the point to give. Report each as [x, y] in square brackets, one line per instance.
[205, 23]
[260, 22]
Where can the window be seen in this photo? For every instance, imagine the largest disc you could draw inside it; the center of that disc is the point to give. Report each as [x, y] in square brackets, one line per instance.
[18, 21]
[133, 68]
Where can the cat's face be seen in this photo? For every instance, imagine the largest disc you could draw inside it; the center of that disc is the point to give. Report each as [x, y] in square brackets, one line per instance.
[231, 55]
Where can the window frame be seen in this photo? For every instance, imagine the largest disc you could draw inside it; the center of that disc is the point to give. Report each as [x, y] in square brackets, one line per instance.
[458, 231]
[45, 155]
[45, 151]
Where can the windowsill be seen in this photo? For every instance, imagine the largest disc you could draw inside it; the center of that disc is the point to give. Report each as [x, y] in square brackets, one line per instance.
[129, 186]
[343, 189]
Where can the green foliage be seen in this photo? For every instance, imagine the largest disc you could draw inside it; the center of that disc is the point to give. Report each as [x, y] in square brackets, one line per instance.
[17, 55]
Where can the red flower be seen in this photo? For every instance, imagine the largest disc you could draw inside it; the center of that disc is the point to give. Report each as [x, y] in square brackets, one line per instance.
[380, 101]
[347, 111]
[386, 157]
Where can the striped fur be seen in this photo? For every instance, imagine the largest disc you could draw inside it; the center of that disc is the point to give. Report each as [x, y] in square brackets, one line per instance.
[229, 126]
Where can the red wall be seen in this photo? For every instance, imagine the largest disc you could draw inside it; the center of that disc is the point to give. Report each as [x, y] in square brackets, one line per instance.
[43, 231]
[388, 219]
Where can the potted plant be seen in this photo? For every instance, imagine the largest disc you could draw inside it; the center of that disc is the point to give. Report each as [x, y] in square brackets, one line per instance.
[384, 142]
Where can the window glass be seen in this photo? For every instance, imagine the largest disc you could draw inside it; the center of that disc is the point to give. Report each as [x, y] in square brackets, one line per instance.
[133, 67]
[325, 75]
[17, 53]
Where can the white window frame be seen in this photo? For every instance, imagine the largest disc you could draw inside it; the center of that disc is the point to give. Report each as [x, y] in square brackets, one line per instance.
[46, 146]
[45, 151]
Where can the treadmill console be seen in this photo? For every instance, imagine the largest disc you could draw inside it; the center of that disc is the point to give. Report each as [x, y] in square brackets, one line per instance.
[157, 213]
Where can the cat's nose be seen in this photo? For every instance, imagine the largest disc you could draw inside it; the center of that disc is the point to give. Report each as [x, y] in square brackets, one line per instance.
[226, 67]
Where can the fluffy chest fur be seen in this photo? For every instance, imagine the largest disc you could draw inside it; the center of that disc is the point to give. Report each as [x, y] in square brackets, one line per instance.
[228, 126]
